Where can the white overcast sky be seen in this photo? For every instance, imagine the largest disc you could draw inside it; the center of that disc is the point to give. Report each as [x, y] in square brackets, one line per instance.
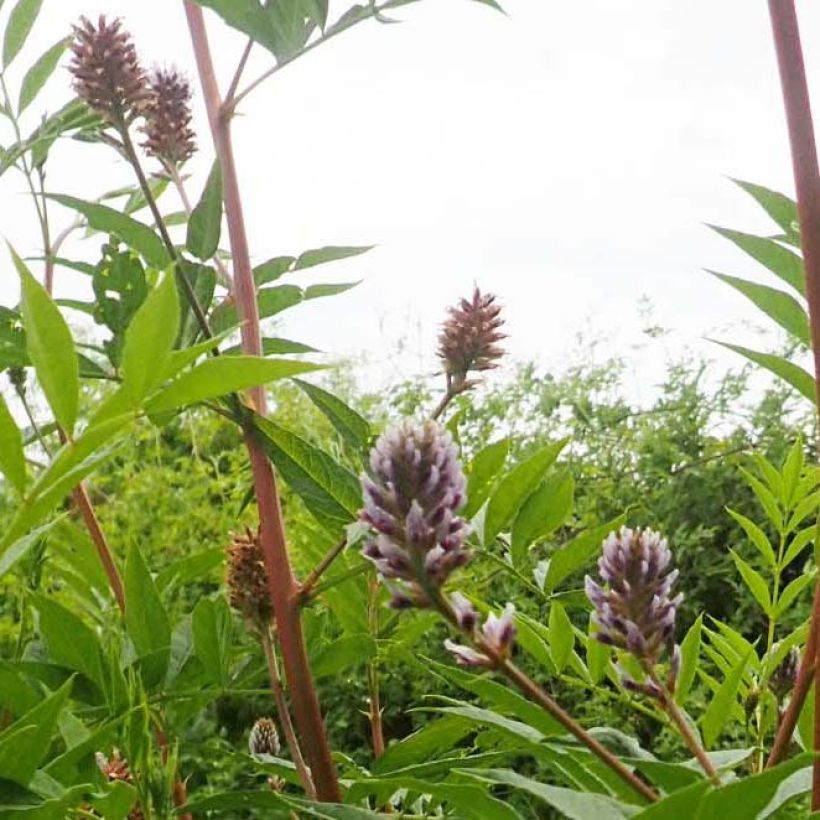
[564, 157]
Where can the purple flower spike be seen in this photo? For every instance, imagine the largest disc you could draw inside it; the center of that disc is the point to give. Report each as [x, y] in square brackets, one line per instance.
[635, 612]
[465, 614]
[411, 500]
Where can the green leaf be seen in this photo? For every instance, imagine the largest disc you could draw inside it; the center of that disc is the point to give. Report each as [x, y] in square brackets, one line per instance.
[754, 581]
[720, 706]
[319, 291]
[352, 427]
[680, 805]
[330, 253]
[423, 744]
[25, 743]
[484, 467]
[37, 76]
[218, 377]
[342, 654]
[331, 492]
[205, 224]
[70, 642]
[50, 347]
[542, 513]
[21, 20]
[12, 458]
[798, 544]
[149, 340]
[145, 618]
[690, 656]
[790, 593]
[597, 653]
[570, 803]
[792, 374]
[139, 236]
[516, 487]
[272, 269]
[778, 206]
[561, 635]
[765, 497]
[777, 305]
[779, 260]
[577, 553]
[757, 537]
[211, 626]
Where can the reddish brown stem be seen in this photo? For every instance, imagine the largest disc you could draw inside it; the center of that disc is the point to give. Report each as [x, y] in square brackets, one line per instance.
[283, 587]
[786, 34]
[308, 585]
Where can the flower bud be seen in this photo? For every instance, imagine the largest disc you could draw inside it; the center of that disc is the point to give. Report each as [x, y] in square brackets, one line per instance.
[106, 70]
[168, 132]
[248, 580]
[264, 739]
[497, 637]
[468, 339]
[636, 612]
[412, 497]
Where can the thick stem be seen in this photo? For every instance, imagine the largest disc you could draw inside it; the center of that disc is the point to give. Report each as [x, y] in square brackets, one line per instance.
[786, 34]
[283, 587]
[284, 716]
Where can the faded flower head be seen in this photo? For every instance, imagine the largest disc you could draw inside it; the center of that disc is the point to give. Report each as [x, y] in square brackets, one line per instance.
[636, 611]
[469, 338]
[168, 132]
[107, 73]
[496, 637]
[248, 580]
[783, 678]
[115, 769]
[264, 739]
[411, 500]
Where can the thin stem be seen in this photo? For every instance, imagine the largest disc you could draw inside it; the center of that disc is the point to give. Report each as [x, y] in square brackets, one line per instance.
[21, 394]
[284, 715]
[243, 61]
[791, 67]
[453, 389]
[375, 710]
[282, 585]
[535, 693]
[308, 585]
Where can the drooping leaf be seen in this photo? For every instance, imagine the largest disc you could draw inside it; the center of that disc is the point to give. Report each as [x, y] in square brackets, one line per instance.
[351, 426]
[205, 224]
[516, 487]
[50, 347]
[136, 234]
[19, 25]
[218, 377]
[37, 76]
[791, 373]
[784, 309]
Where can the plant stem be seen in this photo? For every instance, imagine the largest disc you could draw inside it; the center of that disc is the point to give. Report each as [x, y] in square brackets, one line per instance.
[284, 715]
[535, 693]
[375, 710]
[786, 35]
[237, 76]
[282, 585]
[308, 585]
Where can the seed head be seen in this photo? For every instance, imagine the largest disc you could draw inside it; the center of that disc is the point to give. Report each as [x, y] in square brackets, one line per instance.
[248, 580]
[497, 636]
[636, 612]
[412, 497]
[106, 70]
[469, 337]
[264, 739]
[168, 133]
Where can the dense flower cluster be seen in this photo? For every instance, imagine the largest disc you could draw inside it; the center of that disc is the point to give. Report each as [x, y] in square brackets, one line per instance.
[247, 580]
[412, 498]
[469, 338]
[496, 636]
[168, 132]
[264, 739]
[116, 769]
[106, 69]
[636, 611]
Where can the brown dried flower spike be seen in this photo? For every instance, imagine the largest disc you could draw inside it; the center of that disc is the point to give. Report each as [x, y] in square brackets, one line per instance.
[107, 73]
[248, 580]
[168, 132]
[469, 337]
